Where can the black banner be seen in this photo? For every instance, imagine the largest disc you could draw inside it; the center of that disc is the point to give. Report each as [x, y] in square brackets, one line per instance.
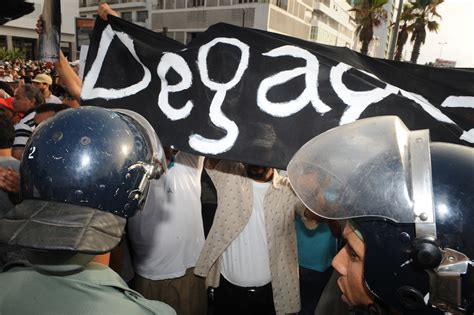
[257, 97]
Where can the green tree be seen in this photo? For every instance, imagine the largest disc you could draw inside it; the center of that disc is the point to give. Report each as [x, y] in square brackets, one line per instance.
[10, 55]
[3, 53]
[368, 15]
[424, 15]
[406, 18]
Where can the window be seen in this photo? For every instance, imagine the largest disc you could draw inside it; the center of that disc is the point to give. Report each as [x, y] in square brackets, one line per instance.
[191, 35]
[314, 33]
[282, 4]
[26, 45]
[158, 5]
[142, 16]
[3, 42]
[179, 36]
[127, 16]
[195, 3]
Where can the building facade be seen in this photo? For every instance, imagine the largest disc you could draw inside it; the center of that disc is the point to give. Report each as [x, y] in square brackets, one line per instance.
[324, 21]
[383, 32]
[380, 44]
[136, 11]
[332, 23]
[184, 19]
[21, 33]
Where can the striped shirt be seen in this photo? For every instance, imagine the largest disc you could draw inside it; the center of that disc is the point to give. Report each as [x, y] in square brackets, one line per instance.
[23, 129]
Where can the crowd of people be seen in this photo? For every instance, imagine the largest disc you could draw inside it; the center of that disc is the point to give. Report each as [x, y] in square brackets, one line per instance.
[168, 232]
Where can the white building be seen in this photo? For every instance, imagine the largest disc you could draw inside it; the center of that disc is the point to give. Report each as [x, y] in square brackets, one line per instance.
[21, 33]
[135, 11]
[184, 19]
[324, 21]
[383, 32]
[380, 44]
[332, 23]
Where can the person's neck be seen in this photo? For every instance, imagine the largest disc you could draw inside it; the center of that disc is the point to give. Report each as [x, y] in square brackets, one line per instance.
[103, 259]
[29, 109]
[6, 152]
[46, 93]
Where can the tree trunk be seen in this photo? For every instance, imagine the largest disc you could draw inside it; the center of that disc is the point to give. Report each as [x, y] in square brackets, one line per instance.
[416, 51]
[401, 41]
[398, 55]
[365, 47]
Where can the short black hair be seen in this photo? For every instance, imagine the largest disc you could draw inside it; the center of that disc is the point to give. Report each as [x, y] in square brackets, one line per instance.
[7, 134]
[51, 107]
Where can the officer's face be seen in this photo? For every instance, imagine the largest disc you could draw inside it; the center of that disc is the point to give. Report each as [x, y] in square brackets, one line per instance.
[349, 263]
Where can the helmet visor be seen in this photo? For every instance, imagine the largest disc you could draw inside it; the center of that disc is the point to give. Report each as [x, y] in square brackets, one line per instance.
[359, 169]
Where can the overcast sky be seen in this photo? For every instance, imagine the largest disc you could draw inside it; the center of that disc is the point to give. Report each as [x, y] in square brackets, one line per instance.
[456, 30]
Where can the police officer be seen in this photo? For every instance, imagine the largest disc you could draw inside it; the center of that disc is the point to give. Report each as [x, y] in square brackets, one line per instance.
[410, 204]
[83, 173]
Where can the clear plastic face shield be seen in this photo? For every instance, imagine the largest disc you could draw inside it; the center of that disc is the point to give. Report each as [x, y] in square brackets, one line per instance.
[372, 167]
[373, 157]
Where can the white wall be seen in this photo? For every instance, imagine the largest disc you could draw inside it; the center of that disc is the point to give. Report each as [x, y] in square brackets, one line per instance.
[69, 10]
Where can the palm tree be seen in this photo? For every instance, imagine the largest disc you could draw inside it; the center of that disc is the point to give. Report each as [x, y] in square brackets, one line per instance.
[424, 13]
[10, 55]
[406, 18]
[368, 14]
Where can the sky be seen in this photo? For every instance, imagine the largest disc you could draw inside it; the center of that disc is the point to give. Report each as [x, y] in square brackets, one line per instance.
[455, 38]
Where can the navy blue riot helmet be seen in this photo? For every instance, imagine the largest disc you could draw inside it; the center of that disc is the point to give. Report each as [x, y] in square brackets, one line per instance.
[411, 202]
[82, 173]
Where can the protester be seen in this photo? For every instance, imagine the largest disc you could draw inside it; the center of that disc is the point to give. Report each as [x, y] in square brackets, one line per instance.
[249, 257]
[44, 111]
[77, 198]
[27, 98]
[7, 165]
[67, 76]
[409, 246]
[104, 10]
[43, 82]
[316, 249]
[9, 185]
[167, 237]
[6, 90]
[6, 109]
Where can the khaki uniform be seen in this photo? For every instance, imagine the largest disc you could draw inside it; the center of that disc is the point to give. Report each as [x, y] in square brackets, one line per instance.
[95, 290]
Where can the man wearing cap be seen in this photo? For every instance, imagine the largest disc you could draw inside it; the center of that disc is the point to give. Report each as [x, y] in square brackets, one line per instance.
[6, 109]
[85, 172]
[43, 81]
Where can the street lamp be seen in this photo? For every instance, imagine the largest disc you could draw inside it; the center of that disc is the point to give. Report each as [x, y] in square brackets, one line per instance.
[441, 49]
